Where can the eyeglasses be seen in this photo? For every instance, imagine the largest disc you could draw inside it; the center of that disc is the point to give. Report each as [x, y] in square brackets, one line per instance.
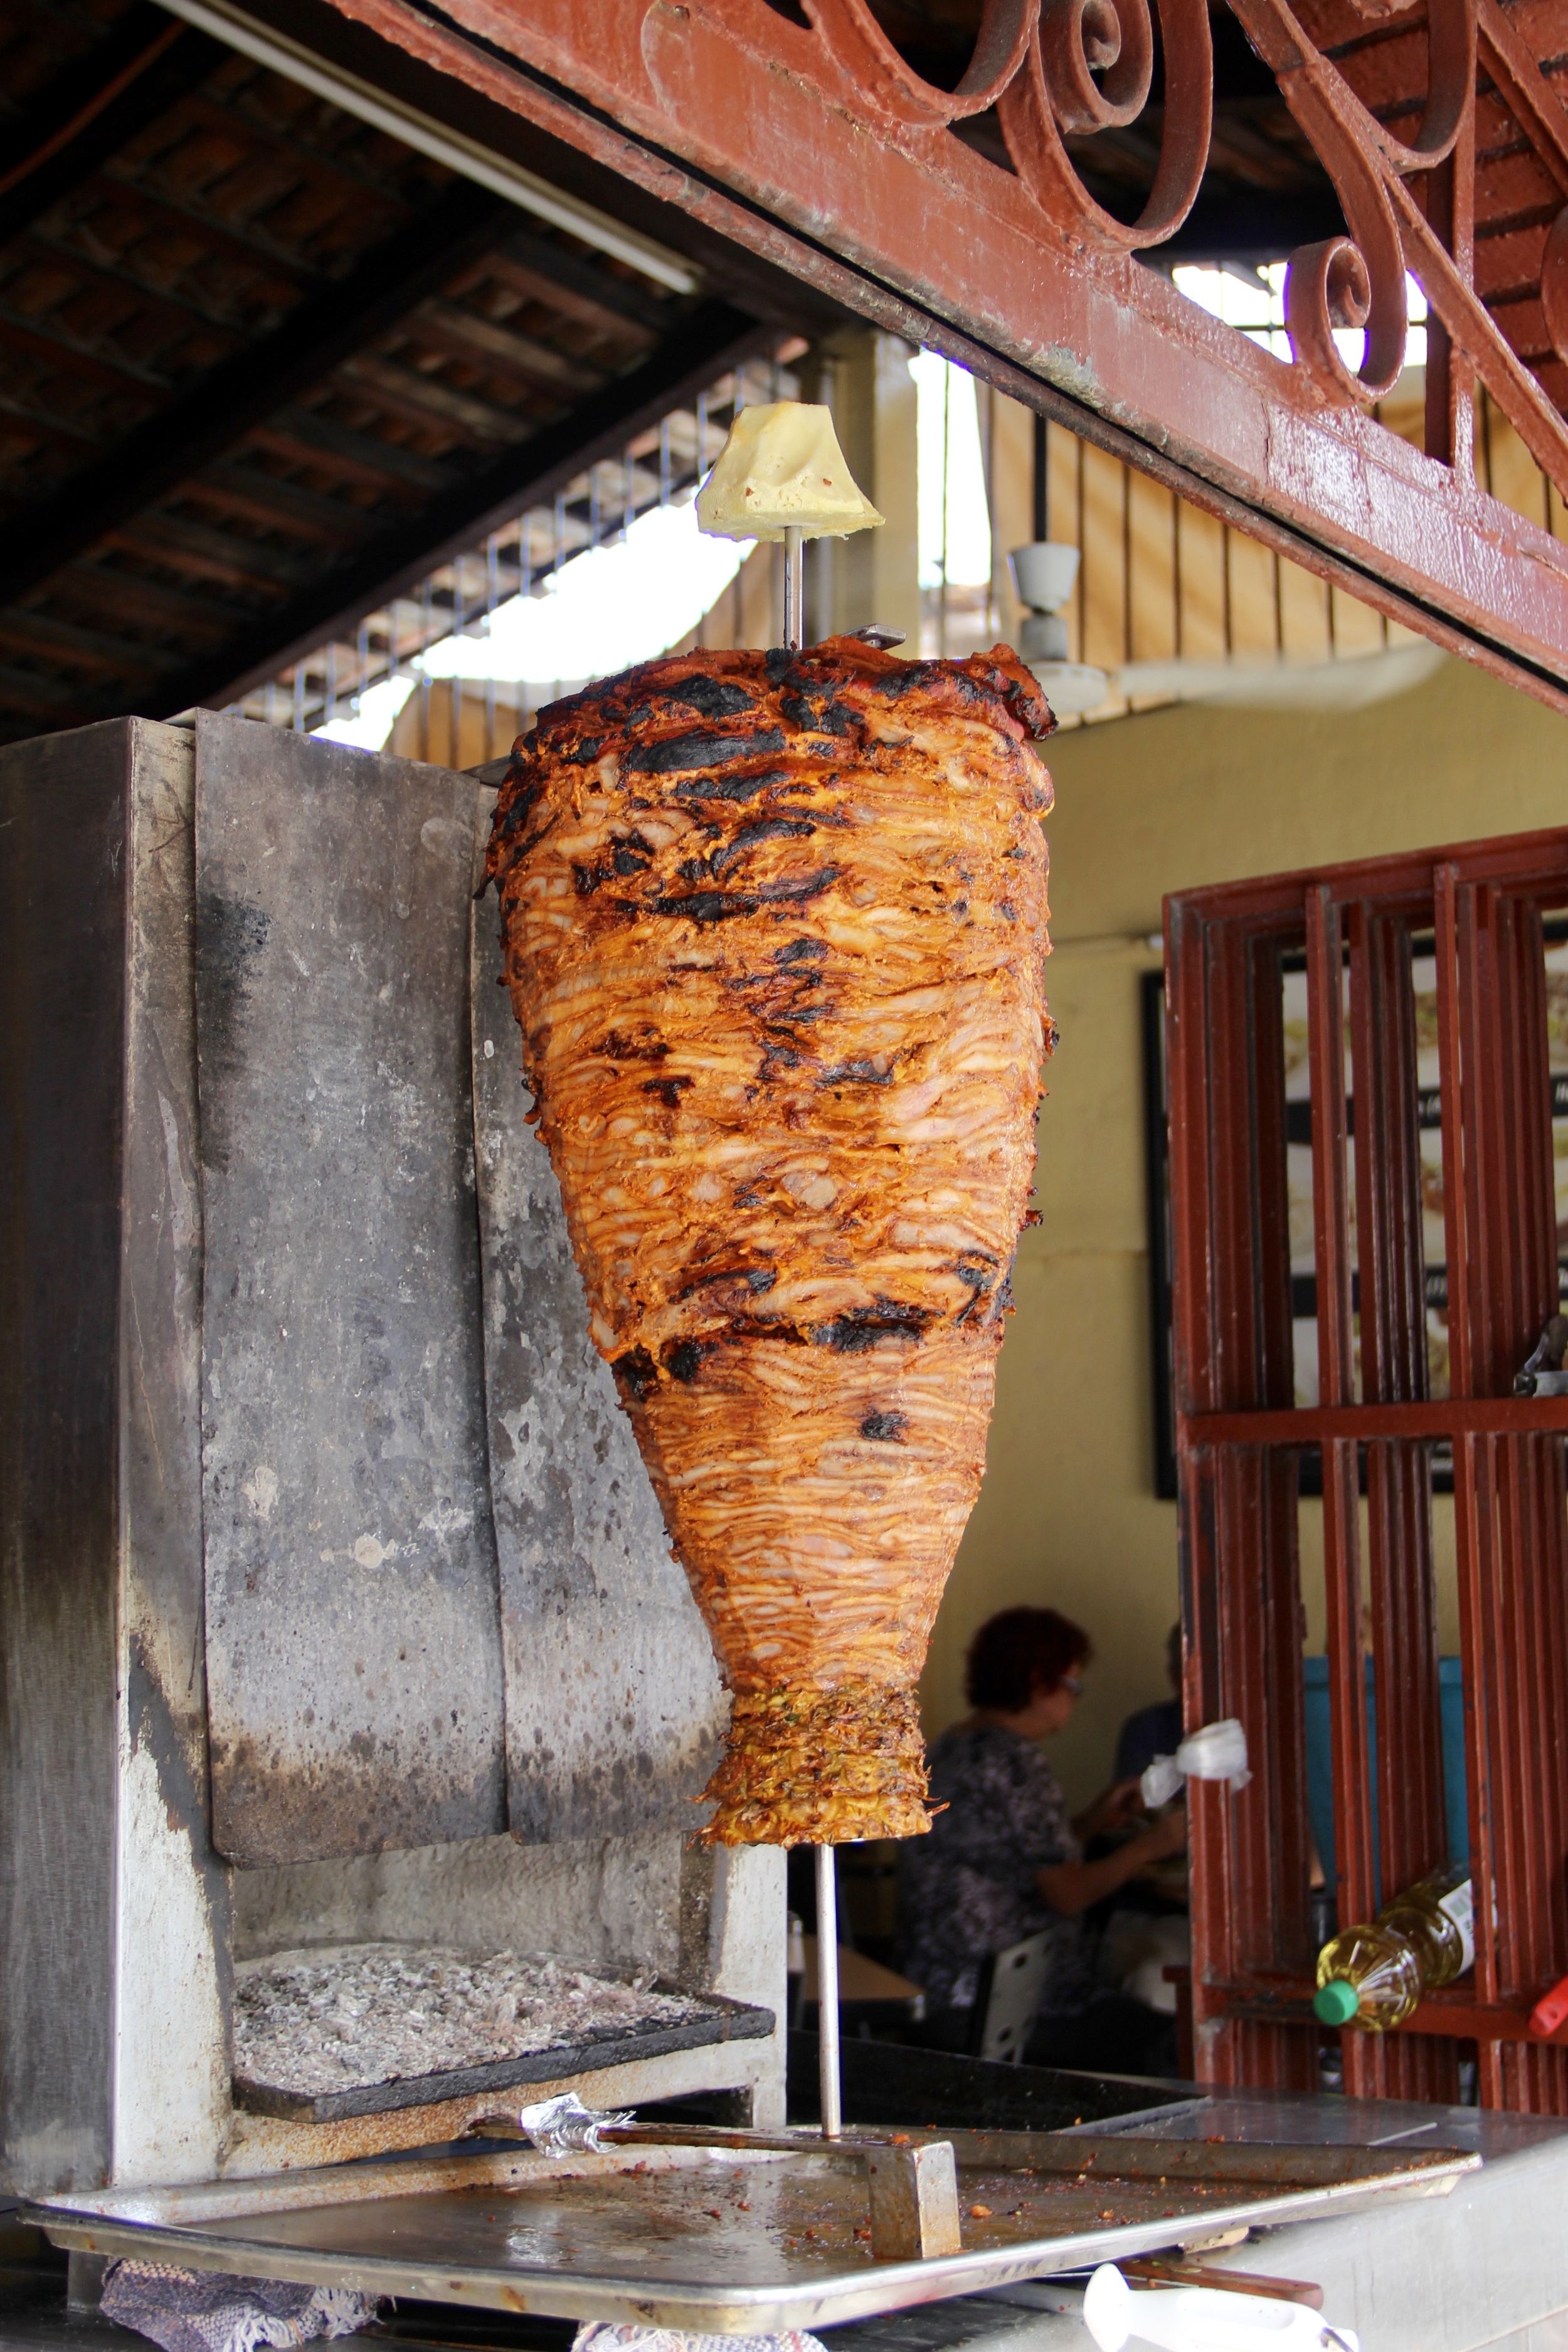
[1072, 1682]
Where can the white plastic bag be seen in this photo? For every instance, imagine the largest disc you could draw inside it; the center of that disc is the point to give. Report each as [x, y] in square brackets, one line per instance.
[1204, 2320]
[1217, 1752]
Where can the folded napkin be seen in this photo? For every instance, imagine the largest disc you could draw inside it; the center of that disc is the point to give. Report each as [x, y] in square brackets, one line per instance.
[207, 2311]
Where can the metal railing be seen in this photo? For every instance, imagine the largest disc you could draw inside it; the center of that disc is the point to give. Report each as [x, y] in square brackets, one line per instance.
[658, 467]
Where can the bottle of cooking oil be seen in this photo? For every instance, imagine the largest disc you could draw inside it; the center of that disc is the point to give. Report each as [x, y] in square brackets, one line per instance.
[1373, 1976]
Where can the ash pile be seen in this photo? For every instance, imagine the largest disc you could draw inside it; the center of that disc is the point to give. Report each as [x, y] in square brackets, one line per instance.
[355, 2016]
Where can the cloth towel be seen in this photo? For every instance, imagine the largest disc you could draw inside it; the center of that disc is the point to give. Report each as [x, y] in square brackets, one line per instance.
[207, 2311]
[606, 2335]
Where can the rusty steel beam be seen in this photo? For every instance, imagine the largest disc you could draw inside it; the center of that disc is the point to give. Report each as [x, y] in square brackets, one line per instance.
[1232, 1333]
[1402, 882]
[1401, 1582]
[1531, 98]
[1455, 2016]
[1356, 1876]
[1453, 1417]
[817, 148]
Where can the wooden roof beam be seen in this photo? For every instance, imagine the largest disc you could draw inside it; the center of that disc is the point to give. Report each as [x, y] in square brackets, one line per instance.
[108, 373]
[25, 690]
[430, 403]
[92, 109]
[69, 642]
[241, 244]
[321, 443]
[23, 421]
[471, 336]
[278, 505]
[252, 568]
[547, 273]
[315, 338]
[176, 315]
[101, 588]
[303, 437]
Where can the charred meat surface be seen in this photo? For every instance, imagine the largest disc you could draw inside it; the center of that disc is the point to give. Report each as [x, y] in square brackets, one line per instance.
[775, 929]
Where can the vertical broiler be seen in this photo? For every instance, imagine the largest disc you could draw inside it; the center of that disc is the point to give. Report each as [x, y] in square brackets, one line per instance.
[356, 1711]
[357, 1706]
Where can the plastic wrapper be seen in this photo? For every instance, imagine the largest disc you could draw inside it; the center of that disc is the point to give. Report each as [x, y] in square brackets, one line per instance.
[564, 2126]
[1217, 1752]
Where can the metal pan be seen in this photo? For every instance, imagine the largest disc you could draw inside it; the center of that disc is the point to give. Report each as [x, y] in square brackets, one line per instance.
[727, 2241]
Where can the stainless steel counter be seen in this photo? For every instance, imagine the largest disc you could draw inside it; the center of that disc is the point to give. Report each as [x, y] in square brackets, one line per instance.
[1488, 2267]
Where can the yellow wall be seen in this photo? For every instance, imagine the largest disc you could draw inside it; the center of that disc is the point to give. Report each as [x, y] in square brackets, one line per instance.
[1168, 801]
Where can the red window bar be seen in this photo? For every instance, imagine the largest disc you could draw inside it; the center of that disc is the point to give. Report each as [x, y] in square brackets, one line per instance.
[1479, 910]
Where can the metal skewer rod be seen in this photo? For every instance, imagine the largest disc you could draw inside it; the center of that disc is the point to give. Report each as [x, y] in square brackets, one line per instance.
[828, 1991]
[795, 587]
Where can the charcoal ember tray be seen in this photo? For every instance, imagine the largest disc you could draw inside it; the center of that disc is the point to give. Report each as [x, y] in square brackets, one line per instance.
[716, 2020]
[732, 2242]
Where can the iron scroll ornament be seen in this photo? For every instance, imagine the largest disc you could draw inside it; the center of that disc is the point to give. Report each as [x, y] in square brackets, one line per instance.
[1359, 280]
[1050, 66]
[864, 53]
[1055, 91]
[1056, 69]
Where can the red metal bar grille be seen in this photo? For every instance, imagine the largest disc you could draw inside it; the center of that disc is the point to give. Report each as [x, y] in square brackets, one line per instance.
[1478, 910]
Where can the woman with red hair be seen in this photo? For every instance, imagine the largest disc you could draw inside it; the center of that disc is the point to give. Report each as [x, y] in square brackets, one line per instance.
[1004, 1860]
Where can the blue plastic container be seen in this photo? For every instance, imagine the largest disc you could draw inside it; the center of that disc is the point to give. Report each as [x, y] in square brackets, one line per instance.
[1320, 1766]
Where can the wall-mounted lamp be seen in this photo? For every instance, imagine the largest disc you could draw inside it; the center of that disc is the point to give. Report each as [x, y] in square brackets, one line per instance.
[1044, 574]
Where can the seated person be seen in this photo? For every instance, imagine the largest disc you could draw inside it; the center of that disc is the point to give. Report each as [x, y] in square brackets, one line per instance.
[1003, 1861]
[1154, 1730]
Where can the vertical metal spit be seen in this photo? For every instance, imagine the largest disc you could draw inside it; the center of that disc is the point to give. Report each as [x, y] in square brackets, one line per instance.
[828, 1991]
[827, 1883]
[795, 586]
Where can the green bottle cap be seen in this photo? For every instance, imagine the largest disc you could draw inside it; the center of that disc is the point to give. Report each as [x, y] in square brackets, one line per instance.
[1337, 2001]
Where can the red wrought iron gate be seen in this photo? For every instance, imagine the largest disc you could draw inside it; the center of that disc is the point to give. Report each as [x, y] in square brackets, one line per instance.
[1380, 1419]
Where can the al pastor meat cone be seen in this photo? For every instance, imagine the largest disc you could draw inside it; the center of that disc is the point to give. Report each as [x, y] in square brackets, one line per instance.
[774, 929]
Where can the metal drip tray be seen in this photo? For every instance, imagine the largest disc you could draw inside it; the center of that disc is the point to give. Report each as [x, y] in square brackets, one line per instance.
[732, 2242]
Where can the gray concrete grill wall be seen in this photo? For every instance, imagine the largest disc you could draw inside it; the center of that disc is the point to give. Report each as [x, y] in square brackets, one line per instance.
[601, 1901]
[354, 1696]
[61, 844]
[203, 1282]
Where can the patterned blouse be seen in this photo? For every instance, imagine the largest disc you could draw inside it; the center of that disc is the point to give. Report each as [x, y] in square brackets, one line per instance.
[968, 1888]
